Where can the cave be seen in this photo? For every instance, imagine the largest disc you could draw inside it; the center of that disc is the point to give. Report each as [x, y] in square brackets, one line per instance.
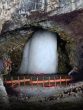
[65, 54]
[66, 50]
[48, 55]
[40, 54]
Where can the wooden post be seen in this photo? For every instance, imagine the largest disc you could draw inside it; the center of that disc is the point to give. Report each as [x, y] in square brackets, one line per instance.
[65, 80]
[37, 80]
[49, 81]
[19, 84]
[55, 81]
[18, 81]
[60, 80]
[25, 89]
[31, 82]
[43, 81]
[24, 80]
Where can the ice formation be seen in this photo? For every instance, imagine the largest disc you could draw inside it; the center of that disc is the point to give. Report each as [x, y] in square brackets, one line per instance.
[40, 54]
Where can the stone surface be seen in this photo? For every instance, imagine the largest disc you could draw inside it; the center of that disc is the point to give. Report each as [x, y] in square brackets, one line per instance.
[68, 22]
[4, 102]
[17, 13]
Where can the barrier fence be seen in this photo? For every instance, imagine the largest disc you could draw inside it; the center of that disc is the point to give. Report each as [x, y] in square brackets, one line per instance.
[44, 81]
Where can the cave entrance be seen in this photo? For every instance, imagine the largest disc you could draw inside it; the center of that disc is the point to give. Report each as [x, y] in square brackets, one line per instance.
[40, 54]
[63, 56]
[66, 49]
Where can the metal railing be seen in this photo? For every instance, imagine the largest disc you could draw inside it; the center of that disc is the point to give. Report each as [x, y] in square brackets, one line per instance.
[38, 81]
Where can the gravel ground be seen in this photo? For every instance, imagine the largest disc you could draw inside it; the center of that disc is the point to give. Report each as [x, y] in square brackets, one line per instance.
[59, 98]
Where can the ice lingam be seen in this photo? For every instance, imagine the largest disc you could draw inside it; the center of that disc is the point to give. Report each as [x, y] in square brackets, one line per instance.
[40, 54]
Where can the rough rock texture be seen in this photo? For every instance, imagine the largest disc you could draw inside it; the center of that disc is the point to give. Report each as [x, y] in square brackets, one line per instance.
[72, 24]
[17, 13]
[3, 95]
[15, 16]
[62, 23]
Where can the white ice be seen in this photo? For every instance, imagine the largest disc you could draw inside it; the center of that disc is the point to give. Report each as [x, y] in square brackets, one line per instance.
[40, 54]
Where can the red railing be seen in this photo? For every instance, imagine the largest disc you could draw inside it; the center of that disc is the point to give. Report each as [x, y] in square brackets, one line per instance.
[44, 81]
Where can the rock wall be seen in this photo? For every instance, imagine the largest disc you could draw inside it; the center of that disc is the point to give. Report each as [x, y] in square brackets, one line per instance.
[68, 22]
[16, 11]
[3, 95]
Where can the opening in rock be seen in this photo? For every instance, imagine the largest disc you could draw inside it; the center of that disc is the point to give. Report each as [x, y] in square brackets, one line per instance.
[60, 60]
